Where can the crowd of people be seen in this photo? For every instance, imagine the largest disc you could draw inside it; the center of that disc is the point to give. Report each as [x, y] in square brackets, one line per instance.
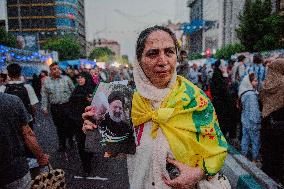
[62, 93]
[241, 92]
[172, 113]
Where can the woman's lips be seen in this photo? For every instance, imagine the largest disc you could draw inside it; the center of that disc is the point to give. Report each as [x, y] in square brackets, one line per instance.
[162, 74]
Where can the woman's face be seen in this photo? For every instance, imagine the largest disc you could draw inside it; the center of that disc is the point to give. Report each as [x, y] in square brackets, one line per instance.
[81, 80]
[94, 72]
[159, 58]
[42, 74]
[76, 72]
[254, 83]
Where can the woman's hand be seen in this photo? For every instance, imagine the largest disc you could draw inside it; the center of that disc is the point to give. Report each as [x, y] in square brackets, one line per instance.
[88, 125]
[188, 178]
[89, 112]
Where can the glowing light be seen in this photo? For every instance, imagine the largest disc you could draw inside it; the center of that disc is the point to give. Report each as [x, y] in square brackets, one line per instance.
[115, 64]
[48, 61]
[208, 52]
[101, 65]
[88, 66]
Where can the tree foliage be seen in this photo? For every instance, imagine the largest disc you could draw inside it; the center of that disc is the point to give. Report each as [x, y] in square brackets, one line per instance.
[67, 47]
[101, 54]
[194, 56]
[125, 59]
[7, 39]
[259, 29]
[228, 50]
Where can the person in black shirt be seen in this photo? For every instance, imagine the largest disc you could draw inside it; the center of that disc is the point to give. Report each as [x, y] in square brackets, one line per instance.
[14, 133]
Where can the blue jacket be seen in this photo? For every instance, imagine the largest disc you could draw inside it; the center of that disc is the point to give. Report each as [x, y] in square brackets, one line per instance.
[251, 115]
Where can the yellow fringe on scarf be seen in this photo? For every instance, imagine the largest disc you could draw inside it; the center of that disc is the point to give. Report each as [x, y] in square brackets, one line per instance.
[189, 122]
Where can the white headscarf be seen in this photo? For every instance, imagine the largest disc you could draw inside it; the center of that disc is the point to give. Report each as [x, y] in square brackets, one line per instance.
[146, 89]
[245, 85]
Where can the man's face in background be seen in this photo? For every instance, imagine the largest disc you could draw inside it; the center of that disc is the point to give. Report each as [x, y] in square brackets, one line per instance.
[116, 110]
[183, 56]
[55, 71]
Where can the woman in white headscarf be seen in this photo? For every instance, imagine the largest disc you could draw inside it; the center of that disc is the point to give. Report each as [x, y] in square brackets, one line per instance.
[174, 119]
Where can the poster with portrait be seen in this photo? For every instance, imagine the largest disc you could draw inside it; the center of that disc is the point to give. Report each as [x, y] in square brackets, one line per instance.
[115, 135]
[27, 41]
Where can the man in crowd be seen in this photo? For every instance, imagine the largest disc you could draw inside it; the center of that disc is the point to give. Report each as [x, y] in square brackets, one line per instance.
[116, 132]
[193, 74]
[25, 92]
[14, 133]
[239, 70]
[258, 69]
[183, 67]
[56, 91]
[204, 77]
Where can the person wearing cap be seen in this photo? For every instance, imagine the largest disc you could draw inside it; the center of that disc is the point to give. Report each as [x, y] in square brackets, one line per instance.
[116, 132]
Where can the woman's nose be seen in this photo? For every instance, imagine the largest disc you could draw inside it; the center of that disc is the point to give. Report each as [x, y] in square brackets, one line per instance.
[162, 59]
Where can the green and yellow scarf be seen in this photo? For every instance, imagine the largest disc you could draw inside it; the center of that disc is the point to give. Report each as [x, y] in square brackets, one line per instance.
[188, 120]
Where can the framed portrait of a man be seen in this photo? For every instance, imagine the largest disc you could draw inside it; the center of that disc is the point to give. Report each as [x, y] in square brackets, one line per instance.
[112, 104]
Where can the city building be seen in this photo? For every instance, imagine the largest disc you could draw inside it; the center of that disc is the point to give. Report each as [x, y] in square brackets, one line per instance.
[176, 28]
[279, 7]
[205, 25]
[216, 22]
[113, 45]
[212, 14]
[3, 14]
[230, 21]
[47, 19]
[2, 23]
[89, 48]
[196, 13]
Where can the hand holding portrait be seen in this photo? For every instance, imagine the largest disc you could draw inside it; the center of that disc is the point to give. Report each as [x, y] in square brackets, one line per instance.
[88, 124]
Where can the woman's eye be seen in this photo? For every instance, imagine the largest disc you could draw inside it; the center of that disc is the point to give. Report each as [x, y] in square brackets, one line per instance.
[152, 53]
[169, 52]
